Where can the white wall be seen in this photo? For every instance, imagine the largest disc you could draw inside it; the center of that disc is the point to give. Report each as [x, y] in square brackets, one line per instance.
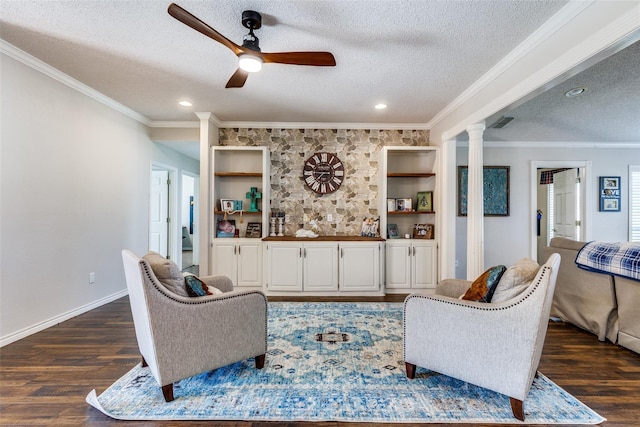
[507, 238]
[74, 192]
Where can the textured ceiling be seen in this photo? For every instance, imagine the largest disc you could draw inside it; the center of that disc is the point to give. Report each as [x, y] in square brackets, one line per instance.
[416, 56]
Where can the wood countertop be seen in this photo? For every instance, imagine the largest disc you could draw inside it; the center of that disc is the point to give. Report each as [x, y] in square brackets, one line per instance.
[323, 239]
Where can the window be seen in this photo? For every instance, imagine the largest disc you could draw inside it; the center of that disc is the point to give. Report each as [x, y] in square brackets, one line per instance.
[634, 203]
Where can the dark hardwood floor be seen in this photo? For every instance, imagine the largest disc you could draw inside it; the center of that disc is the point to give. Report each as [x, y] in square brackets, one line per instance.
[44, 378]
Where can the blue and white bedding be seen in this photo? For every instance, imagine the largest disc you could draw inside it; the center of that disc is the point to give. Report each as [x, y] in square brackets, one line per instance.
[620, 259]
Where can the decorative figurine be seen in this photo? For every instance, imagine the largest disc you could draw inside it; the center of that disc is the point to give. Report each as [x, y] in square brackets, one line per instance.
[254, 195]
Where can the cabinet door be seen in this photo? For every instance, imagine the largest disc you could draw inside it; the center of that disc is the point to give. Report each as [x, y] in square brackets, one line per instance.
[424, 264]
[224, 260]
[250, 264]
[284, 267]
[398, 263]
[359, 266]
[320, 266]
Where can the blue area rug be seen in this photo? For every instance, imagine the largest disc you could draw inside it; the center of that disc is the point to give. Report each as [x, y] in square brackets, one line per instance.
[333, 362]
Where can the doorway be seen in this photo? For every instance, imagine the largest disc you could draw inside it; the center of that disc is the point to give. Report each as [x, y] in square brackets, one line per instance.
[163, 211]
[559, 207]
[190, 201]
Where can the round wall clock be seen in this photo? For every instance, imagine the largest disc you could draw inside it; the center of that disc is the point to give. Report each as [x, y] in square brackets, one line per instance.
[323, 173]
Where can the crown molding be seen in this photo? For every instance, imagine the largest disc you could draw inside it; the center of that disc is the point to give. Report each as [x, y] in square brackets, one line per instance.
[174, 124]
[318, 125]
[553, 144]
[46, 69]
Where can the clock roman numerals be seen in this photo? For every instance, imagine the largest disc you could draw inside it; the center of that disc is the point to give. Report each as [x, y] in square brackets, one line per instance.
[323, 172]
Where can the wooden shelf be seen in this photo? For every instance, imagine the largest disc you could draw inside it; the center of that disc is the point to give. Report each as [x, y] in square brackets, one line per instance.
[409, 175]
[219, 212]
[239, 174]
[410, 212]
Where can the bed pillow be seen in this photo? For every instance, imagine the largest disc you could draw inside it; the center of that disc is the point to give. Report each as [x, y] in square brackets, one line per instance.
[167, 272]
[515, 280]
[483, 287]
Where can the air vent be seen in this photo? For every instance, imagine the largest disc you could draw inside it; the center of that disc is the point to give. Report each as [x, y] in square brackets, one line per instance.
[502, 122]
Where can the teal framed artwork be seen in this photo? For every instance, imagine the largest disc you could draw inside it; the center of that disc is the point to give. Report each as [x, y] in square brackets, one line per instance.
[495, 189]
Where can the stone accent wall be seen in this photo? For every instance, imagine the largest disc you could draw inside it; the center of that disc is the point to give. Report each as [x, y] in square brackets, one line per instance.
[359, 150]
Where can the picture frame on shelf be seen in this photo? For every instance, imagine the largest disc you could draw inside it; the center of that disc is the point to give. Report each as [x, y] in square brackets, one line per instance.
[392, 231]
[226, 228]
[495, 181]
[237, 205]
[227, 205]
[404, 205]
[424, 201]
[391, 205]
[423, 231]
[254, 229]
[610, 193]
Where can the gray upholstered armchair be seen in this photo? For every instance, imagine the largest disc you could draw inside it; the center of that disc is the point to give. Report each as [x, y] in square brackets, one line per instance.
[181, 336]
[493, 345]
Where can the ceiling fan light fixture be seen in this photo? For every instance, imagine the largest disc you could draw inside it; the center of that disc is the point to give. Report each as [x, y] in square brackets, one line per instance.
[250, 63]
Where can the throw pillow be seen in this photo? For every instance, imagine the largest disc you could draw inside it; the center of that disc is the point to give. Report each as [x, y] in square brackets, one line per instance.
[515, 280]
[483, 287]
[196, 287]
[167, 272]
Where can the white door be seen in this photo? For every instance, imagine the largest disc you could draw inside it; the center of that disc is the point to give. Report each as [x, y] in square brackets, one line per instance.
[566, 197]
[359, 266]
[284, 264]
[320, 266]
[398, 261]
[250, 264]
[424, 269]
[224, 259]
[159, 225]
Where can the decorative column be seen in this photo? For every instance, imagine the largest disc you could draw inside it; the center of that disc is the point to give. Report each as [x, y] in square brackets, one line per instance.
[202, 235]
[475, 203]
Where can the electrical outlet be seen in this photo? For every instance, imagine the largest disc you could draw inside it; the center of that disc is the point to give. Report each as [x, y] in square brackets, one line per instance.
[329, 217]
[287, 218]
[92, 278]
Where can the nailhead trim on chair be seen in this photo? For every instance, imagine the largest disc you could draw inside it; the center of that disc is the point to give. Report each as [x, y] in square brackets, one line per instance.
[520, 300]
[154, 281]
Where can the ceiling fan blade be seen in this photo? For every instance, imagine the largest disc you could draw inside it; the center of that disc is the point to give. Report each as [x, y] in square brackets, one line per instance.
[194, 22]
[322, 59]
[238, 78]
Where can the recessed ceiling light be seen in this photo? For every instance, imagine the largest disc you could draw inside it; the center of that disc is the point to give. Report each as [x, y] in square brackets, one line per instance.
[185, 103]
[576, 91]
[380, 106]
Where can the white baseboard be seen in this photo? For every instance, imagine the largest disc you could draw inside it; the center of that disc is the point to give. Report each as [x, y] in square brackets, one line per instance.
[60, 318]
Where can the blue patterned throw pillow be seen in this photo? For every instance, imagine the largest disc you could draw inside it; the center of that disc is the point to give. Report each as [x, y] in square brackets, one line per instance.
[196, 287]
[483, 287]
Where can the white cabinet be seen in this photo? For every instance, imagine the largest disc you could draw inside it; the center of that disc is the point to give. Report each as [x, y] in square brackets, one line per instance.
[360, 266]
[322, 267]
[239, 259]
[235, 171]
[409, 173]
[411, 264]
[297, 267]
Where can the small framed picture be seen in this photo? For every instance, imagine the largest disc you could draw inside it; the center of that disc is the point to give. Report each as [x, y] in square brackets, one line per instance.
[610, 193]
[237, 205]
[226, 228]
[423, 231]
[391, 205]
[404, 205]
[425, 201]
[392, 231]
[227, 205]
[254, 229]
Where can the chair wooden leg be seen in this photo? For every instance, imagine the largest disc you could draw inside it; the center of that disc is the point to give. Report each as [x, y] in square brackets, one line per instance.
[260, 361]
[517, 408]
[167, 392]
[144, 362]
[411, 370]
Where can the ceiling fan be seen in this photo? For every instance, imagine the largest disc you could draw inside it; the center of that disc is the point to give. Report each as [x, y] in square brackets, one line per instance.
[250, 58]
